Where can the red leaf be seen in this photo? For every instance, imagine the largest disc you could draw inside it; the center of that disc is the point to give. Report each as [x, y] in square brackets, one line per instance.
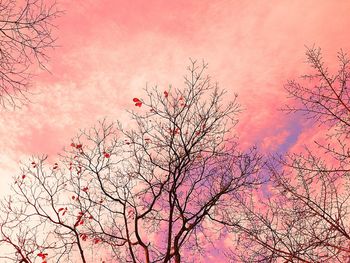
[138, 103]
[72, 144]
[23, 176]
[79, 146]
[131, 213]
[106, 155]
[85, 189]
[166, 94]
[42, 255]
[84, 237]
[63, 209]
[174, 132]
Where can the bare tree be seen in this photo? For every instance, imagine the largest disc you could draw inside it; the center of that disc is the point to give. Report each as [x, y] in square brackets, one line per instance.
[35, 222]
[146, 192]
[306, 216]
[25, 37]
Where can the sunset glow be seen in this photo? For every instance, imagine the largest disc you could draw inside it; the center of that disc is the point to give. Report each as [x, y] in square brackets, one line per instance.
[108, 51]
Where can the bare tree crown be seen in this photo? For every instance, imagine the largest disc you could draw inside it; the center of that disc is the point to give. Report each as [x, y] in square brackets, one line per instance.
[306, 217]
[144, 193]
[25, 37]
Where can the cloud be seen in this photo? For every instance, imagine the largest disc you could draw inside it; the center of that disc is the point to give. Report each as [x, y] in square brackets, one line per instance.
[109, 51]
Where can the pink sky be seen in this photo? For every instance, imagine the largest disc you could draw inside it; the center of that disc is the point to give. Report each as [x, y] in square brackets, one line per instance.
[110, 49]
